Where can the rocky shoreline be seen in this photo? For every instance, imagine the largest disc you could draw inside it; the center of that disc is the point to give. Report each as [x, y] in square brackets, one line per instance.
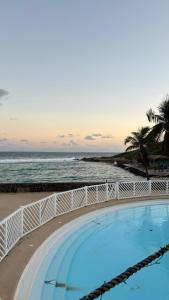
[44, 186]
[121, 161]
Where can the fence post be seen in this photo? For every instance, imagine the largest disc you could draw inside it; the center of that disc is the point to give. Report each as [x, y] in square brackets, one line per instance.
[6, 237]
[134, 189]
[40, 213]
[107, 192]
[72, 200]
[149, 187]
[86, 196]
[55, 204]
[22, 229]
[117, 189]
[97, 194]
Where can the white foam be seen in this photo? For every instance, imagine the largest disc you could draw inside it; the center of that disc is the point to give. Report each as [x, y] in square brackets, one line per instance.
[35, 160]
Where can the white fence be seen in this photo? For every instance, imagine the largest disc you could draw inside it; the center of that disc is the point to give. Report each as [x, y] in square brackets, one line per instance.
[29, 217]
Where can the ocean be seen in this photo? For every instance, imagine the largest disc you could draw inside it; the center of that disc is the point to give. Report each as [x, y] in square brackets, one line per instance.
[20, 167]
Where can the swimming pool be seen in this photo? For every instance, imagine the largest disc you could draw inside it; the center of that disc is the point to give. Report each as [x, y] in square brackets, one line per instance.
[96, 247]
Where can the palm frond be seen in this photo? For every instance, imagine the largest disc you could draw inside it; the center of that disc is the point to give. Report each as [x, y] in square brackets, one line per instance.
[164, 109]
[156, 132]
[144, 131]
[134, 133]
[131, 148]
[152, 116]
[129, 139]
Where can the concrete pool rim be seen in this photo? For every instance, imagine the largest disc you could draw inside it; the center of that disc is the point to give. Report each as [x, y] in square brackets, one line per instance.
[28, 276]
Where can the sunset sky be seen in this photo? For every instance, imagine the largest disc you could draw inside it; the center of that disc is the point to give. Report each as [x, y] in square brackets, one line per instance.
[79, 75]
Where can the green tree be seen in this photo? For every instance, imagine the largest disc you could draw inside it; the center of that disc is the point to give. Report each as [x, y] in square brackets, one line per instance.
[161, 128]
[138, 141]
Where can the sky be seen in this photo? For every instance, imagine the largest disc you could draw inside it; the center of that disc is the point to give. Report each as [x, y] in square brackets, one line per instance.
[79, 75]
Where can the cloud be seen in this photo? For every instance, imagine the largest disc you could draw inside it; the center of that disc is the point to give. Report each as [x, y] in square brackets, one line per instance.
[73, 143]
[107, 136]
[89, 137]
[93, 136]
[24, 141]
[70, 143]
[97, 134]
[62, 136]
[13, 119]
[3, 140]
[3, 93]
[44, 142]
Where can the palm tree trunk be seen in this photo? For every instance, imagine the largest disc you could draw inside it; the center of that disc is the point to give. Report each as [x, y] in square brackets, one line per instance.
[147, 174]
[166, 143]
[144, 158]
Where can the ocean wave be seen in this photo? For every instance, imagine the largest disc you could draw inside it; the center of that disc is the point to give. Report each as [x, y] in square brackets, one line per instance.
[35, 160]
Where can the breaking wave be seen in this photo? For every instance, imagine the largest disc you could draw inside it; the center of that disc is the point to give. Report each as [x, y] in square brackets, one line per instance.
[35, 160]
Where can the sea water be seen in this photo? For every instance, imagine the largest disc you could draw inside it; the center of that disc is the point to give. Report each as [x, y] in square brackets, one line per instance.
[57, 166]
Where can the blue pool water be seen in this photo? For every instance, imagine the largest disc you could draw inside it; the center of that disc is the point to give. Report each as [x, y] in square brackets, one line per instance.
[102, 248]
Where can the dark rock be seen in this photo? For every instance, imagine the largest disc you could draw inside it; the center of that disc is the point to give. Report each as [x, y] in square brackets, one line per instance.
[43, 186]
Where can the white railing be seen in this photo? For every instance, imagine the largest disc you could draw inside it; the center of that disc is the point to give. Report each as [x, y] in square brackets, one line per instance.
[31, 216]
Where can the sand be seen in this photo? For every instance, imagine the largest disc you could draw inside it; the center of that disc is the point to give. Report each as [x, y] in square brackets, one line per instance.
[9, 202]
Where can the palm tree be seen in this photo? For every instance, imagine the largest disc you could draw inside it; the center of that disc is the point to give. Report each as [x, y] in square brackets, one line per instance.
[161, 127]
[138, 141]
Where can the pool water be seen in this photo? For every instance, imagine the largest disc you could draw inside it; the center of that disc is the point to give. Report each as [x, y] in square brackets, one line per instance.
[103, 247]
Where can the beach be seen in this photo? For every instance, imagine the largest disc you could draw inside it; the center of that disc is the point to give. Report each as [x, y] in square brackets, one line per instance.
[9, 202]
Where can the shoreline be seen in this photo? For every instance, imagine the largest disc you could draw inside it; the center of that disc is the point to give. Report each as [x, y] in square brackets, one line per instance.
[122, 163]
[137, 171]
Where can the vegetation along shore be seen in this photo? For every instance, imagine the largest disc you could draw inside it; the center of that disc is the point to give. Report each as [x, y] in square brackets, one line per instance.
[147, 153]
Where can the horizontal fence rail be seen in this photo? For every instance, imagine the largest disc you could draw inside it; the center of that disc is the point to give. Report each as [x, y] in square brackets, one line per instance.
[31, 216]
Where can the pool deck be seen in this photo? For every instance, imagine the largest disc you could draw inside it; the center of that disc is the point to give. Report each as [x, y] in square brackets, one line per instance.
[14, 263]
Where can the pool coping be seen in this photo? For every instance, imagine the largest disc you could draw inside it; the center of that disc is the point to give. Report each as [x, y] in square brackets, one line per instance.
[27, 278]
